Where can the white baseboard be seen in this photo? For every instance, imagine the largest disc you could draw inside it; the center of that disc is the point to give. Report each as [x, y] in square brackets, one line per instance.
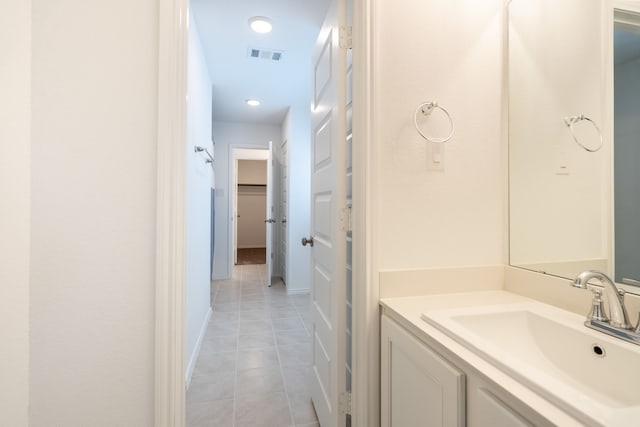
[196, 351]
[298, 291]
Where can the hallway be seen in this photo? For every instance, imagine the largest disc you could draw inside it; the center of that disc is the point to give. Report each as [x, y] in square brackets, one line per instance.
[255, 357]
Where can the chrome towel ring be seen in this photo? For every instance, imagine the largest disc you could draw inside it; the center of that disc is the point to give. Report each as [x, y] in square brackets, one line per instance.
[426, 108]
[570, 121]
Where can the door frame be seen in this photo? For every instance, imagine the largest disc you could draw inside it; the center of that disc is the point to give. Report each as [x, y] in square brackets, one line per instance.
[169, 381]
[365, 387]
[242, 152]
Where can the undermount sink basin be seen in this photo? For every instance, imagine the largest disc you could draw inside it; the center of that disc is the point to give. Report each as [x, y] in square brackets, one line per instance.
[589, 374]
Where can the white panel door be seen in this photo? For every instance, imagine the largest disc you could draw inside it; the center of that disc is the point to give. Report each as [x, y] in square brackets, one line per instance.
[269, 220]
[234, 218]
[328, 202]
[284, 205]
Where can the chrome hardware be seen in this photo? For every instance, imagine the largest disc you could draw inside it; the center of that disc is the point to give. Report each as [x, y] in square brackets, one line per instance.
[284, 220]
[344, 403]
[615, 296]
[597, 308]
[606, 327]
[199, 149]
[308, 241]
[426, 108]
[270, 220]
[570, 121]
[618, 326]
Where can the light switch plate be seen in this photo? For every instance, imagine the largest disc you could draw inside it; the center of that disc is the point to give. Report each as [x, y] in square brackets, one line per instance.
[561, 164]
[435, 156]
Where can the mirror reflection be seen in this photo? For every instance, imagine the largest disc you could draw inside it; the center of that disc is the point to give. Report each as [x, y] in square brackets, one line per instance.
[574, 137]
[627, 146]
[559, 177]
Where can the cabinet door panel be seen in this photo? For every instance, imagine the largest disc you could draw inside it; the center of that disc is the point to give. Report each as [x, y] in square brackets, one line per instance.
[493, 412]
[419, 388]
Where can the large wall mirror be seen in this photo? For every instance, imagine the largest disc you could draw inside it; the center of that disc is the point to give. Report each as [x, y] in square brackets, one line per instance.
[574, 140]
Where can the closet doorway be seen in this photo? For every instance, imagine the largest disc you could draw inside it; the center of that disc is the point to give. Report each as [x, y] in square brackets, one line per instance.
[251, 246]
[252, 207]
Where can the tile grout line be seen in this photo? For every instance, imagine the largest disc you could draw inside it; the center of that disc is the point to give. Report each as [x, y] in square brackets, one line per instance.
[265, 283]
[235, 373]
[304, 325]
[244, 278]
[301, 318]
[284, 383]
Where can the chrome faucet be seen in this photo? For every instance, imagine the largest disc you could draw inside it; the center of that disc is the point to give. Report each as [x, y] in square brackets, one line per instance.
[615, 296]
[618, 325]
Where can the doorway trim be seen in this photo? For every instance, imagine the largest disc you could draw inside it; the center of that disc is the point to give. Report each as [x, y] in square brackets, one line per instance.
[366, 309]
[169, 381]
[240, 152]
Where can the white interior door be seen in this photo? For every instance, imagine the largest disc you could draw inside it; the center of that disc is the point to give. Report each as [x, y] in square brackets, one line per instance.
[328, 206]
[284, 204]
[270, 219]
[234, 219]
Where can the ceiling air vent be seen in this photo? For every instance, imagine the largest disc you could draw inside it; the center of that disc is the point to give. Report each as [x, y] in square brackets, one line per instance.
[265, 54]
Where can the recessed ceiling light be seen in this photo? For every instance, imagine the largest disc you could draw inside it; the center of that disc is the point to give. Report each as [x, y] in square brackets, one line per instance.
[252, 102]
[260, 24]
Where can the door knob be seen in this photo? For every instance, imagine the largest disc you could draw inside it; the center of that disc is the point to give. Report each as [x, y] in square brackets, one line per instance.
[270, 220]
[308, 241]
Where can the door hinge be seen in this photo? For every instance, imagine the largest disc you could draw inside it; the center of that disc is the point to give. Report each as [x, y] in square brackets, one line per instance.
[344, 403]
[346, 37]
[345, 219]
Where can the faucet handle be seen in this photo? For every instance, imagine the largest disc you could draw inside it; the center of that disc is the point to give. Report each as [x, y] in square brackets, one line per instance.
[597, 306]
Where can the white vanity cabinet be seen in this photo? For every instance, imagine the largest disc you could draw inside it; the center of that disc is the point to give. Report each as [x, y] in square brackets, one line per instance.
[419, 388]
[489, 406]
[422, 387]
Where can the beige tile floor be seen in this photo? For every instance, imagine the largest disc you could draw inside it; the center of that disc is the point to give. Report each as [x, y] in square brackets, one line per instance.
[255, 358]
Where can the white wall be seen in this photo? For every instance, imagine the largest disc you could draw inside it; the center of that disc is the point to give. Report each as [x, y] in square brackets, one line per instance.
[15, 84]
[93, 183]
[252, 172]
[297, 131]
[449, 51]
[198, 199]
[240, 135]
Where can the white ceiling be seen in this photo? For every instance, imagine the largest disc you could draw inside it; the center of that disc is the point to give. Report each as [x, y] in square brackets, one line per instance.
[226, 37]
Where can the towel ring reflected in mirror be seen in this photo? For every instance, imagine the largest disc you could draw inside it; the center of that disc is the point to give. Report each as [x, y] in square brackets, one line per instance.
[572, 120]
